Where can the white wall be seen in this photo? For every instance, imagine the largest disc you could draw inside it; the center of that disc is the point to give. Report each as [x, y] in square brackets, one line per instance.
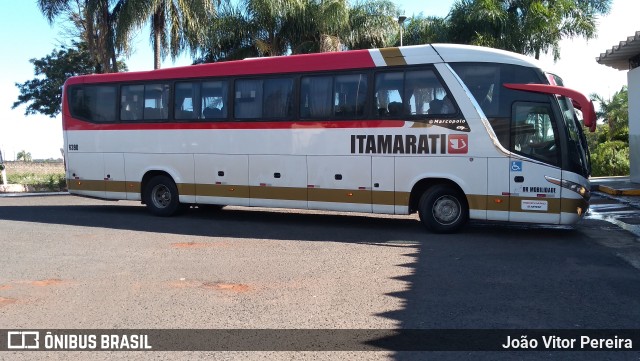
[634, 123]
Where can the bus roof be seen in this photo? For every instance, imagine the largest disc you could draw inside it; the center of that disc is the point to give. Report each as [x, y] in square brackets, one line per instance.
[455, 53]
[355, 59]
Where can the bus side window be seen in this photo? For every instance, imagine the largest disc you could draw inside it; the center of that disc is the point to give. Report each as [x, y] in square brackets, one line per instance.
[248, 99]
[156, 97]
[427, 95]
[388, 94]
[131, 104]
[315, 97]
[78, 104]
[214, 100]
[277, 98]
[185, 94]
[104, 107]
[350, 95]
[94, 103]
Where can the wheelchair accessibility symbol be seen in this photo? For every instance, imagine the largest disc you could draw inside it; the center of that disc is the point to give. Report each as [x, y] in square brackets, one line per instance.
[516, 166]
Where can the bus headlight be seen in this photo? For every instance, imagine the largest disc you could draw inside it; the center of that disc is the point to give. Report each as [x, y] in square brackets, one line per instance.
[572, 186]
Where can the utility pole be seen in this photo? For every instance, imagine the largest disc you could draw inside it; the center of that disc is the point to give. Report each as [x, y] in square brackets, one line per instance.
[401, 20]
[3, 172]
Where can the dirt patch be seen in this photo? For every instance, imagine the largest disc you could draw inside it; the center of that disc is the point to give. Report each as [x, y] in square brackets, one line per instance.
[5, 287]
[219, 286]
[199, 244]
[6, 301]
[184, 283]
[47, 283]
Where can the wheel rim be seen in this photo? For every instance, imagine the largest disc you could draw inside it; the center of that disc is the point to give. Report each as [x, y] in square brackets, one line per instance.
[446, 210]
[161, 196]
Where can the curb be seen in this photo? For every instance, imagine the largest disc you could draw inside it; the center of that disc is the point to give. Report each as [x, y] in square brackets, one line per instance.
[619, 192]
[36, 194]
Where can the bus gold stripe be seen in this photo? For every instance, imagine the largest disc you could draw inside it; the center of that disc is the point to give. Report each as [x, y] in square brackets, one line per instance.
[222, 190]
[393, 56]
[387, 198]
[284, 193]
[85, 185]
[357, 196]
[339, 195]
[115, 186]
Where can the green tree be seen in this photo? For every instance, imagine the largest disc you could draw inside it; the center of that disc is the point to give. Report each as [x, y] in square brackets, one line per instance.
[615, 113]
[43, 93]
[609, 144]
[270, 28]
[425, 30]
[528, 27]
[24, 156]
[175, 24]
[94, 23]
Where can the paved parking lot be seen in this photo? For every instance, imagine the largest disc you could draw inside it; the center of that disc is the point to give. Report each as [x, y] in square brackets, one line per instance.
[69, 262]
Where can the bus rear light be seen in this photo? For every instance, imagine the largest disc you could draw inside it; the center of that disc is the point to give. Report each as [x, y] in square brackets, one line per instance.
[498, 200]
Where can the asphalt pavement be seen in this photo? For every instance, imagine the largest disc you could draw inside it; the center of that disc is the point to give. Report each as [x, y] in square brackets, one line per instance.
[70, 262]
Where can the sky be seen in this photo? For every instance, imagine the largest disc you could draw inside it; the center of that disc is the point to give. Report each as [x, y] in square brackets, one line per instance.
[28, 35]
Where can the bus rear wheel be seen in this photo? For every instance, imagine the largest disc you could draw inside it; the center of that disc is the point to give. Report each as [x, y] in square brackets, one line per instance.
[161, 196]
[443, 209]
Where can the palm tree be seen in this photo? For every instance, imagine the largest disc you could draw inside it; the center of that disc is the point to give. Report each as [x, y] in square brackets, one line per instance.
[425, 30]
[372, 24]
[525, 26]
[24, 156]
[615, 112]
[278, 27]
[175, 24]
[334, 25]
[96, 21]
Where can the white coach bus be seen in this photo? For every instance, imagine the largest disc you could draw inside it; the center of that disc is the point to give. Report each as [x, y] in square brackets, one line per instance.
[452, 132]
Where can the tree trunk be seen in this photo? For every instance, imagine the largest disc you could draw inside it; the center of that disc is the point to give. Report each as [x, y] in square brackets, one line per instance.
[158, 25]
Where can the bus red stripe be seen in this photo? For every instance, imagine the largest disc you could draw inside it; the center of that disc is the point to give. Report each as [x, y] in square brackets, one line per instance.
[73, 124]
[358, 59]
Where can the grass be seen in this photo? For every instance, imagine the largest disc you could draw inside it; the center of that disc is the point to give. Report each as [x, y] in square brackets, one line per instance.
[41, 182]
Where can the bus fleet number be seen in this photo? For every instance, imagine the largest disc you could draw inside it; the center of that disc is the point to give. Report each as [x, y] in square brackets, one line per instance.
[73, 147]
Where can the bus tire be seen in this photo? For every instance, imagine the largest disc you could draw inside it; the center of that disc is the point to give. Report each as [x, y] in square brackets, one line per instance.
[161, 196]
[443, 209]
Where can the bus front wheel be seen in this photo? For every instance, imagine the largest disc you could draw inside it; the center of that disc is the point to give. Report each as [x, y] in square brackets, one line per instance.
[443, 209]
[161, 196]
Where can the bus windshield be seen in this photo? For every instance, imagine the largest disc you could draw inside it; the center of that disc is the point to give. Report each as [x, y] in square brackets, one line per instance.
[581, 157]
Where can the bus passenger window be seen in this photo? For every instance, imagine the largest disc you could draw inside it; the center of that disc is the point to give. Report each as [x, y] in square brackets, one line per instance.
[156, 97]
[388, 94]
[214, 100]
[533, 132]
[185, 93]
[93, 103]
[277, 98]
[248, 99]
[315, 97]
[350, 95]
[131, 104]
[427, 95]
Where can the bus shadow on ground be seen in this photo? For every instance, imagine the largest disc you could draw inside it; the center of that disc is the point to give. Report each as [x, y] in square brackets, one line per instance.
[244, 222]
